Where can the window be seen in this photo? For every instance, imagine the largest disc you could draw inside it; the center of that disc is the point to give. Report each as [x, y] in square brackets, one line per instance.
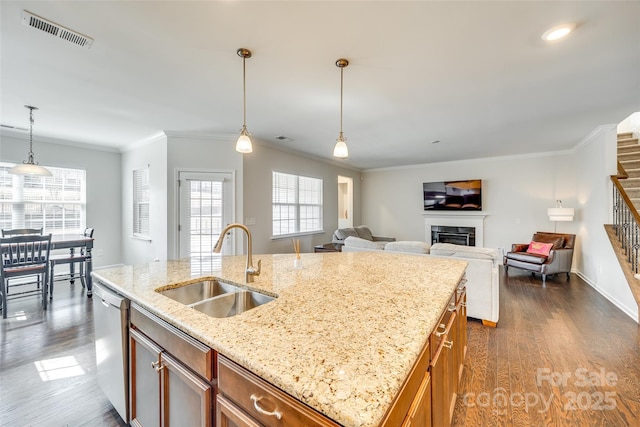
[141, 203]
[56, 203]
[297, 204]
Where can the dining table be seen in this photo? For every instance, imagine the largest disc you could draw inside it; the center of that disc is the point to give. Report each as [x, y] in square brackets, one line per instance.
[75, 242]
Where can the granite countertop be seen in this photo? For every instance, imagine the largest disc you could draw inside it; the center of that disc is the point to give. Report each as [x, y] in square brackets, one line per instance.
[342, 335]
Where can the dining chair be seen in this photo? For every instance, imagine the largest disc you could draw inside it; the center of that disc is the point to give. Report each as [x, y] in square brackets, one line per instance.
[21, 232]
[24, 255]
[71, 258]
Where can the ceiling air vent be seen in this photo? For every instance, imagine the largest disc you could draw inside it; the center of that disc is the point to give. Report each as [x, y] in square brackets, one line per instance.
[34, 21]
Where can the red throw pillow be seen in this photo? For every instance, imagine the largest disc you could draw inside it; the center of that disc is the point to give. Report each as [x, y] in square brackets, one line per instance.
[539, 248]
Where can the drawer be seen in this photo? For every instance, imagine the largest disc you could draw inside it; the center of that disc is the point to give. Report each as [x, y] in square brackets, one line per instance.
[194, 354]
[262, 401]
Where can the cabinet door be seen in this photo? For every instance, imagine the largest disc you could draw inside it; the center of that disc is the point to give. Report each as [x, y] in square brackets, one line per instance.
[461, 344]
[186, 399]
[420, 411]
[229, 415]
[443, 376]
[144, 380]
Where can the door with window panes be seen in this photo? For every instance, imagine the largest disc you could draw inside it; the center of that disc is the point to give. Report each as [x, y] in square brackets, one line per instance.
[206, 207]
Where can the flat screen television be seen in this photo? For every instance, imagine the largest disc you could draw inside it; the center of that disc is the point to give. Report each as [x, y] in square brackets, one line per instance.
[463, 195]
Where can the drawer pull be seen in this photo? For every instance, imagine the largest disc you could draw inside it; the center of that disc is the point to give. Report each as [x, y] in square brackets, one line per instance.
[157, 366]
[438, 333]
[452, 307]
[256, 399]
[448, 344]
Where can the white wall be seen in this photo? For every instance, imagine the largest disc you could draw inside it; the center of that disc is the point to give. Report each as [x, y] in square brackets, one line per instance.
[258, 168]
[104, 205]
[154, 156]
[205, 154]
[630, 124]
[597, 263]
[516, 192]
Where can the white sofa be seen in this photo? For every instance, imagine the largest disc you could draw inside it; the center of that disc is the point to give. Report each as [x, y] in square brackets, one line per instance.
[483, 281]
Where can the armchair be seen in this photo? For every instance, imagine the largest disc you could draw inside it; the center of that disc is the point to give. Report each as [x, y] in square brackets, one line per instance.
[361, 231]
[557, 260]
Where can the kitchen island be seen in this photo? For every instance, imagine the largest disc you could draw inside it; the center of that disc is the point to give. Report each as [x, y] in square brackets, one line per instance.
[342, 336]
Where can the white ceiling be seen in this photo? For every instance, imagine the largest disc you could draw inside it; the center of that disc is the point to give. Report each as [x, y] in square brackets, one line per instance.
[474, 75]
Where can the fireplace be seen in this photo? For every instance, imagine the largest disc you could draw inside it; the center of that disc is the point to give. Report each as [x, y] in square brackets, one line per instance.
[456, 220]
[457, 235]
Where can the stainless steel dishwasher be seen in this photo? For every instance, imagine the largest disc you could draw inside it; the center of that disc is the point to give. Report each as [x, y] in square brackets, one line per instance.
[111, 325]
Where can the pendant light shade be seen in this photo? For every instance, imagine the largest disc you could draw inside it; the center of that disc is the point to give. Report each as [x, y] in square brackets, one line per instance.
[243, 144]
[340, 150]
[30, 166]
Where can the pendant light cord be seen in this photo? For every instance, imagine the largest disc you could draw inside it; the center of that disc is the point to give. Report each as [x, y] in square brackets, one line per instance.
[30, 154]
[341, 85]
[244, 92]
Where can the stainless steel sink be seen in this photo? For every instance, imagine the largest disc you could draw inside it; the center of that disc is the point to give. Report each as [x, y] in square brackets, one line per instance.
[233, 303]
[199, 291]
[217, 299]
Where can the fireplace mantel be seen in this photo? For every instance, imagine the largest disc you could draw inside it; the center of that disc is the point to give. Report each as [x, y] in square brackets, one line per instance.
[455, 219]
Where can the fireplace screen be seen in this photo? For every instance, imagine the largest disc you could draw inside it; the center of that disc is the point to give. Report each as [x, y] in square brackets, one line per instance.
[457, 235]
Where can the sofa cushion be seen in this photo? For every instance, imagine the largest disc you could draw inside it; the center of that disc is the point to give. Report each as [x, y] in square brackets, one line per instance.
[471, 255]
[527, 257]
[539, 248]
[357, 242]
[558, 242]
[408, 246]
[343, 233]
[364, 232]
[450, 249]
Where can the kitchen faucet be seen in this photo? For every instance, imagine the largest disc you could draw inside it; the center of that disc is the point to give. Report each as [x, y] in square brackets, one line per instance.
[250, 270]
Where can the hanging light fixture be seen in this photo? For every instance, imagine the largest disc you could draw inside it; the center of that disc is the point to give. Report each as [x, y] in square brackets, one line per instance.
[243, 145]
[30, 166]
[340, 150]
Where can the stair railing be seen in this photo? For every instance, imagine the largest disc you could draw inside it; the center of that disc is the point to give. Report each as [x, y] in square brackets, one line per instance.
[626, 220]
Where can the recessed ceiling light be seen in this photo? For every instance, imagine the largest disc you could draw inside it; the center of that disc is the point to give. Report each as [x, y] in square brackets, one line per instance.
[435, 141]
[284, 138]
[558, 32]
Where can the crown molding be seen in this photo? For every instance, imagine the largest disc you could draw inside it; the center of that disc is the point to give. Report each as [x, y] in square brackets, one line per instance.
[45, 139]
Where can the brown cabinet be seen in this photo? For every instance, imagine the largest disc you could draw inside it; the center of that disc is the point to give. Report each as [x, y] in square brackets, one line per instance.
[449, 347]
[164, 390]
[420, 411]
[461, 342]
[245, 399]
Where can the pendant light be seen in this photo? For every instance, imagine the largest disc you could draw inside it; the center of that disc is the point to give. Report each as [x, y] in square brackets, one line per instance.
[340, 150]
[243, 145]
[30, 166]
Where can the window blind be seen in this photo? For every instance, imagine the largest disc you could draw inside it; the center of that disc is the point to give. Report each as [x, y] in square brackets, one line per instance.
[141, 203]
[56, 203]
[296, 204]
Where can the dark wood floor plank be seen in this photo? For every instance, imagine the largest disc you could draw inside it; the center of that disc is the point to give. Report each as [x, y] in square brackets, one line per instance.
[32, 343]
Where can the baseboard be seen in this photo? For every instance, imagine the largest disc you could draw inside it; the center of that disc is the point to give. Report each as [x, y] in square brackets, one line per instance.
[626, 310]
[107, 266]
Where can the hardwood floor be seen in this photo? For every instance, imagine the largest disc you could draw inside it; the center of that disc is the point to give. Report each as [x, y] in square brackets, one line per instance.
[561, 355]
[48, 364]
